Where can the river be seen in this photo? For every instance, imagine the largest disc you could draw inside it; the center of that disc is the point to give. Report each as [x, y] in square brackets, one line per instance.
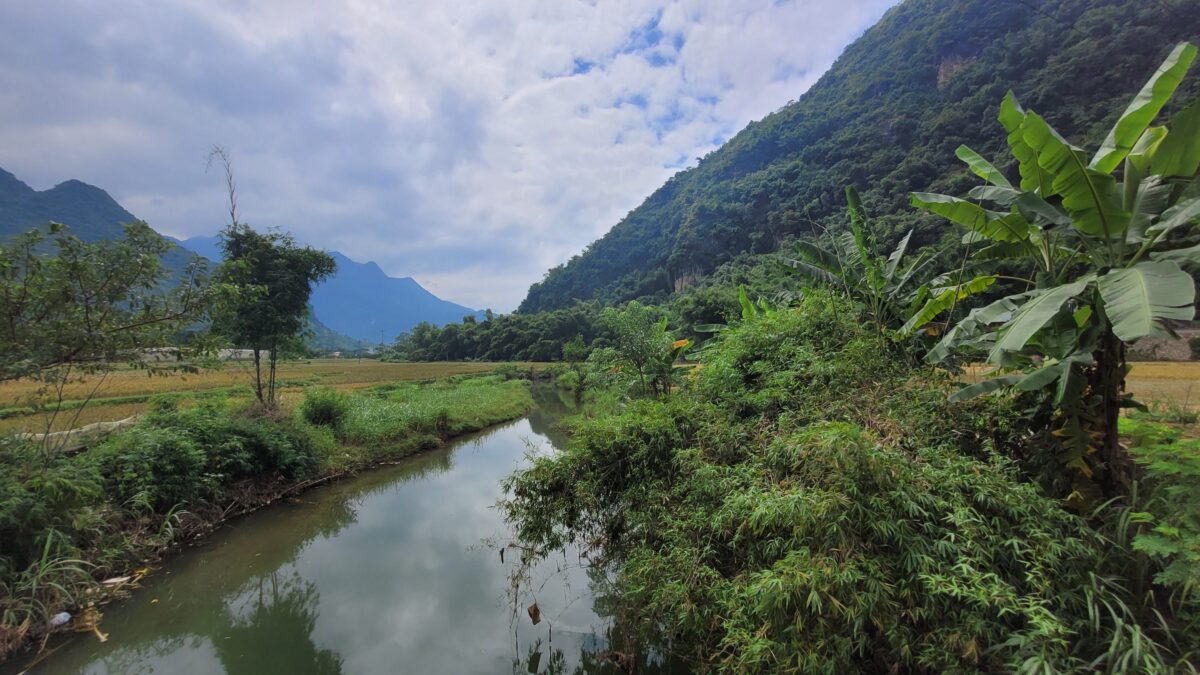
[383, 573]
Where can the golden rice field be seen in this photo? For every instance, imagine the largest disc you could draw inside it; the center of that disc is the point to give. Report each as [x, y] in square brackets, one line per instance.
[234, 379]
[1153, 382]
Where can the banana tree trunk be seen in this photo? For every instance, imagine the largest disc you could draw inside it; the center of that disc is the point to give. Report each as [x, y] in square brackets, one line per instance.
[1108, 382]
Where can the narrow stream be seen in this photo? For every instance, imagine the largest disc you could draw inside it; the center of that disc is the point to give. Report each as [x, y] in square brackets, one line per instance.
[383, 573]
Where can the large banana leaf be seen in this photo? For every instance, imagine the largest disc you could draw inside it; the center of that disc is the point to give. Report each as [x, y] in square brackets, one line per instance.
[1038, 210]
[1002, 196]
[991, 224]
[1148, 202]
[1137, 298]
[1179, 153]
[1006, 250]
[1034, 314]
[1033, 177]
[968, 330]
[1184, 213]
[985, 387]
[1187, 258]
[981, 167]
[1143, 109]
[897, 255]
[814, 273]
[749, 311]
[820, 257]
[945, 298]
[1137, 164]
[1088, 195]
[1043, 377]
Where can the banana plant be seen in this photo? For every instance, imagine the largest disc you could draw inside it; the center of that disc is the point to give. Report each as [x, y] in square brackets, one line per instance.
[1111, 237]
[883, 287]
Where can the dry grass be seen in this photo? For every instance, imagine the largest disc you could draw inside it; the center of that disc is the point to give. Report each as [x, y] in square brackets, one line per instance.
[1166, 381]
[332, 372]
[342, 374]
[67, 419]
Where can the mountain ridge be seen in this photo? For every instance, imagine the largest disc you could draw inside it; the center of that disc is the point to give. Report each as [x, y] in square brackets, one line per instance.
[886, 118]
[360, 300]
[397, 304]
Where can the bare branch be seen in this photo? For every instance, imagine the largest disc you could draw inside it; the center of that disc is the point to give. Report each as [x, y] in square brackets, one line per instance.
[220, 155]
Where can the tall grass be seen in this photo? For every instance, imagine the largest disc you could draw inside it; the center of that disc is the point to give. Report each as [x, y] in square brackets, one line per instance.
[441, 409]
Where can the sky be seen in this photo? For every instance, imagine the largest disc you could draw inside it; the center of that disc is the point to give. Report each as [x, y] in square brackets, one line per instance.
[470, 145]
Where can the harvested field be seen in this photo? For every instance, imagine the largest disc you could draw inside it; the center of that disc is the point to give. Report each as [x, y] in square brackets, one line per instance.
[127, 392]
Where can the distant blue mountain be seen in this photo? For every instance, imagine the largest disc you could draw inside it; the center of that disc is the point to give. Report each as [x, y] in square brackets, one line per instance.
[93, 215]
[362, 301]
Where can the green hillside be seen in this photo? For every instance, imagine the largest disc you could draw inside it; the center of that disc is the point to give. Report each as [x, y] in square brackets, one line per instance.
[885, 118]
[91, 213]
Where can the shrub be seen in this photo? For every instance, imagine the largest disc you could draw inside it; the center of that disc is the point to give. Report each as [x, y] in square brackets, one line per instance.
[154, 468]
[811, 505]
[510, 371]
[1171, 505]
[240, 445]
[324, 406]
[164, 403]
[38, 497]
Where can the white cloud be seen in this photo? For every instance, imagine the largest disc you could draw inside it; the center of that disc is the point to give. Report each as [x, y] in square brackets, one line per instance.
[469, 145]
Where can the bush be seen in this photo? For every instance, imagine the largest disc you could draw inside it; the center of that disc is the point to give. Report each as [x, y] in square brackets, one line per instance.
[510, 371]
[811, 505]
[39, 497]
[154, 468]
[324, 407]
[1171, 503]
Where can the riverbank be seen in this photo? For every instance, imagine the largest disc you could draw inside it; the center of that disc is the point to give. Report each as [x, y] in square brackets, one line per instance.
[77, 531]
[389, 566]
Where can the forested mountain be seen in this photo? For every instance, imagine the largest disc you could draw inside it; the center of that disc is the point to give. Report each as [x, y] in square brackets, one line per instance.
[91, 213]
[885, 118]
[362, 301]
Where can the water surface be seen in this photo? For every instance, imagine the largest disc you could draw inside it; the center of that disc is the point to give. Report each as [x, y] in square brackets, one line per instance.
[382, 573]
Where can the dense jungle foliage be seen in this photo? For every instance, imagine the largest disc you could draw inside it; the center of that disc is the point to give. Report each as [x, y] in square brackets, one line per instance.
[808, 502]
[886, 118]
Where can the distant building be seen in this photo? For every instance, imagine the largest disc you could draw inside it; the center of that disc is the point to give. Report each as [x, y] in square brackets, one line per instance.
[168, 354]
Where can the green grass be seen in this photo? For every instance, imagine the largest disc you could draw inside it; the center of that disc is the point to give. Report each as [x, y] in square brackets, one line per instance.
[440, 407]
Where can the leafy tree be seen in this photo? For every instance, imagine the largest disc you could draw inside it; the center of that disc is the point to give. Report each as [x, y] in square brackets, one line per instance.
[644, 345]
[509, 337]
[69, 308]
[575, 353]
[1109, 237]
[273, 278]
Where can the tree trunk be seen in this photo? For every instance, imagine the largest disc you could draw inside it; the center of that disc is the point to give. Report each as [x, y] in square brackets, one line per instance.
[1109, 383]
[258, 383]
[274, 358]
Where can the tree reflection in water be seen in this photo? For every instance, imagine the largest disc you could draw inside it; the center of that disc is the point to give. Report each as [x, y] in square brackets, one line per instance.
[270, 629]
